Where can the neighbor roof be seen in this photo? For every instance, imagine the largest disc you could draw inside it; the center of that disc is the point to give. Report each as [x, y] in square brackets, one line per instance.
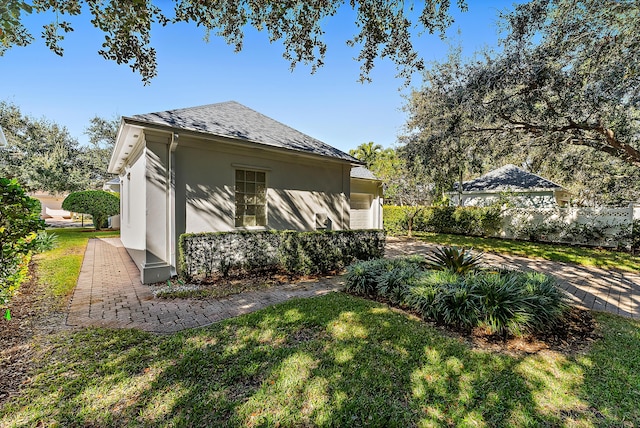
[363, 173]
[234, 120]
[509, 178]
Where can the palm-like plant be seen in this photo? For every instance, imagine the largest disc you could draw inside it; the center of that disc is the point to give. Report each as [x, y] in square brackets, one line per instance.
[368, 153]
[456, 260]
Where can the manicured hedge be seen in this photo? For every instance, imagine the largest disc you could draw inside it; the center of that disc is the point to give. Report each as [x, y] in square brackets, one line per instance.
[98, 203]
[299, 253]
[477, 221]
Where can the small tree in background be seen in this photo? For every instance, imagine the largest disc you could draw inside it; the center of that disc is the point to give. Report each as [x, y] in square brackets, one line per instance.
[97, 203]
[19, 223]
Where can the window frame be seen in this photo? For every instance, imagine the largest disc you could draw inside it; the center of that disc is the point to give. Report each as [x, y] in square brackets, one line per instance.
[251, 199]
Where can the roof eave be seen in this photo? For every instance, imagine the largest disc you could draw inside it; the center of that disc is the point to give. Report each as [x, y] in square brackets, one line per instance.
[208, 135]
[126, 143]
[548, 189]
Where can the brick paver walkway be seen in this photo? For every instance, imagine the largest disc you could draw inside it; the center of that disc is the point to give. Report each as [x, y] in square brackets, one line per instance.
[109, 294]
[597, 289]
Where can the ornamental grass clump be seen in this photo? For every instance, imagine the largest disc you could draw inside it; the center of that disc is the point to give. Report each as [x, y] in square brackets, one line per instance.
[503, 302]
[545, 300]
[362, 278]
[454, 259]
[383, 277]
[395, 282]
[45, 241]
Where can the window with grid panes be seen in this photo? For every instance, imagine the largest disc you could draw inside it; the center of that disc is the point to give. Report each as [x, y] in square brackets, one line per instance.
[251, 198]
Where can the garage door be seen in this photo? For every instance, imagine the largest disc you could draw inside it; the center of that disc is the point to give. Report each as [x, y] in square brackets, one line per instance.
[360, 211]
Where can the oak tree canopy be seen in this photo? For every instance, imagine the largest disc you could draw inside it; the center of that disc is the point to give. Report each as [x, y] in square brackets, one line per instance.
[383, 26]
[561, 95]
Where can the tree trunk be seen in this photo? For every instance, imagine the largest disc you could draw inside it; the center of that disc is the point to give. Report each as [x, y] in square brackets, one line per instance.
[460, 186]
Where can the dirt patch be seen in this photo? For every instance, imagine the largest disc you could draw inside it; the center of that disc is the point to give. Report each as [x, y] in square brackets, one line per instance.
[30, 319]
[217, 286]
[574, 335]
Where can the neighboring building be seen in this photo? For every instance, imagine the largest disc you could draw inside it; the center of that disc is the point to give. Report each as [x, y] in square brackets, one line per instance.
[524, 189]
[365, 200]
[112, 185]
[51, 205]
[225, 167]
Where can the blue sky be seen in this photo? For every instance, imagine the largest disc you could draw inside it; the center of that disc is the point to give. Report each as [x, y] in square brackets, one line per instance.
[330, 105]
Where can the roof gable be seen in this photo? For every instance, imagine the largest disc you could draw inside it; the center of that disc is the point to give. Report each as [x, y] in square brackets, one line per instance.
[509, 178]
[233, 120]
[362, 173]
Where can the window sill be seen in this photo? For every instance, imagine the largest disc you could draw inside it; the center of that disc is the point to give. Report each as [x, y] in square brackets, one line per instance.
[251, 228]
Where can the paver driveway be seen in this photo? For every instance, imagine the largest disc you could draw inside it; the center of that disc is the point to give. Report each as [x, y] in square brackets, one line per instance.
[109, 292]
[597, 289]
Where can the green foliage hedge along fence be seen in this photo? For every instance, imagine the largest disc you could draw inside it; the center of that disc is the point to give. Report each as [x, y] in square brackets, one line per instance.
[298, 253]
[511, 224]
[476, 221]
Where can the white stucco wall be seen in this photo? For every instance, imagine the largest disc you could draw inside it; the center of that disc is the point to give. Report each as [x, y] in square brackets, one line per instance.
[157, 198]
[371, 188]
[298, 188]
[191, 189]
[133, 207]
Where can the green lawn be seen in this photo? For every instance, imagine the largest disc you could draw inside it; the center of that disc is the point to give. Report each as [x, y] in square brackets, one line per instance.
[58, 269]
[335, 360]
[601, 258]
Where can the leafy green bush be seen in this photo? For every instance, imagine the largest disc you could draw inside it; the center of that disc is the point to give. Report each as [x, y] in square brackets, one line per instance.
[387, 278]
[454, 259]
[394, 219]
[19, 223]
[475, 221]
[394, 284]
[99, 204]
[421, 298]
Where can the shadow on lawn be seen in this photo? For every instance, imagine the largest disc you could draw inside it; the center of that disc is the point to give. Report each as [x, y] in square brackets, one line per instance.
[329, 361]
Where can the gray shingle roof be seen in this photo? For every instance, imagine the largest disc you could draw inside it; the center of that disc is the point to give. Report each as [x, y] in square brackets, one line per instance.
[234, 120]
[509, 178]
[362, 172]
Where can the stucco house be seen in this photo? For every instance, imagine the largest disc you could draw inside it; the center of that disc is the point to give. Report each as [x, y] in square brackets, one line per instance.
[524, 189]
[51, 205]
[226, 167]
[112, 185]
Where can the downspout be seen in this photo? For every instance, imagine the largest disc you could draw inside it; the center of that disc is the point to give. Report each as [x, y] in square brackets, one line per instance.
[171, 208]
[380, 206]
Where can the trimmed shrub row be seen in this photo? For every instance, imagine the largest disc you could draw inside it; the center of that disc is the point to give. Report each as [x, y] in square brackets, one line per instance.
[513, 223]
[477, 221]
[299, 253]
[504, 302]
